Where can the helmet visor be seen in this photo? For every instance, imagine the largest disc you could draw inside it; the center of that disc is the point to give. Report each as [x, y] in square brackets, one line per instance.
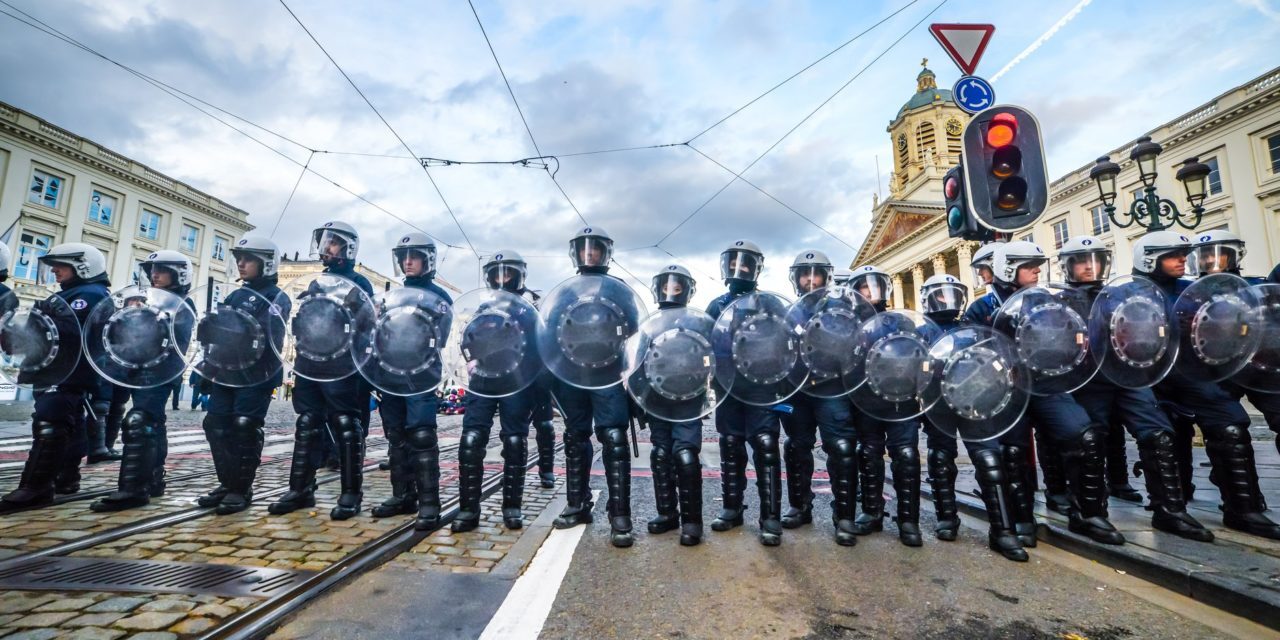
[875, 287]
[328, 243]
[947, 297]
[736, 264]
[1217, 258]
[254, 265]
[806, 278]
[414, 261]
[590, 252]
[505, 275]
[1079, 268]
[672, 288]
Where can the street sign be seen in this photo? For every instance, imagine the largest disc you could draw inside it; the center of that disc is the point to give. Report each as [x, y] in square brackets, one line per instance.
[973, 94]
[965, 43]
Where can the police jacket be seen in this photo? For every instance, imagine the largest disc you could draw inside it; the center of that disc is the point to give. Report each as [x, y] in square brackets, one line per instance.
[82, 296]
[348, 271]
[255, 298]
[427, 283]
[717, 306]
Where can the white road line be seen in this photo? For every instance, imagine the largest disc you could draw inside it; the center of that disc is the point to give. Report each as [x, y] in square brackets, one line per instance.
[525, 610]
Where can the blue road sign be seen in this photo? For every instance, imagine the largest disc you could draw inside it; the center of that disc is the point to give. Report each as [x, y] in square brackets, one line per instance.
[973, 94]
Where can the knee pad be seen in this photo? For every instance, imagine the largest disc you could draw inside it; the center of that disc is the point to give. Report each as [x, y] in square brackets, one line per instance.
[906, 456]
[101, 408]
[345, 426]
[513, 444]
[1234, 434]
[1160, 438]
[987, 464]
[1093, 438]
[614, 439]
[215, 424]
[687, 458]
[308, 424]
[471, 445]
[545, 425]
[659, 455]
[841, 447]
[424, 439]
[940, 457]
[138, 423]
[247, 424]
[45, 430]
[766, 446]
[1013, 453]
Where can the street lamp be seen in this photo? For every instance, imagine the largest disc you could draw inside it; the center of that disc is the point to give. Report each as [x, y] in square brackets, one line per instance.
[1151, 211]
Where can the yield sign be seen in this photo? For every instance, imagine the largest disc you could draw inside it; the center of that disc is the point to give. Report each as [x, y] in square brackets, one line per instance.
[963, 42]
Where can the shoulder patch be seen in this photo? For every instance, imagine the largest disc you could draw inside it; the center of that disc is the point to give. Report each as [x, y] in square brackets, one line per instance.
[79, 304]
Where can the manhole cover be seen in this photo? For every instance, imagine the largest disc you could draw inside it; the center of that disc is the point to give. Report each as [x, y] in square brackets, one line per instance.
[147, 576]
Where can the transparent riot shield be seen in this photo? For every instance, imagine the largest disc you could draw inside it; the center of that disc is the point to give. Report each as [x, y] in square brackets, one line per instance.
[328, 311]
[239, 334]
[1050, 324]
[827, 321]
[1219, 319]
[1132, 333]
[138, 337]
[757, 352]
[669, 365]
[582, 325]
[493, 349]
[39, 338]
[983, 386]
[1262, 373]
[399, 352]
[892, 355]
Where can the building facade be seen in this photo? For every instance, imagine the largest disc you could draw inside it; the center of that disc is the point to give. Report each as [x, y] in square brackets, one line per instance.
[58, 187]
[1237, 134]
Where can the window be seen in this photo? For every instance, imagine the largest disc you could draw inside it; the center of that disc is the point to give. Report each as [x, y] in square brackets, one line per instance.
[149, 225]
[102, 208]
[189, 239]
[925, 139]
[46, 189]
[1030, 237]
[1060, 233]
[220, 248]
[1101, 221]
[1214, 181]
[1273, 148]
[30, 247]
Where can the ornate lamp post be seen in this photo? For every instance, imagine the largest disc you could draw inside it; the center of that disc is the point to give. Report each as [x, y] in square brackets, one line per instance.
[1151, 211]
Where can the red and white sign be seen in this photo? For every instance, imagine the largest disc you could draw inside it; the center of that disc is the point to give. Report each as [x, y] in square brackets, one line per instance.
[965, 43]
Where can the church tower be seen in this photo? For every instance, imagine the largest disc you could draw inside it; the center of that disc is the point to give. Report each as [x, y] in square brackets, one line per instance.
[926, 140]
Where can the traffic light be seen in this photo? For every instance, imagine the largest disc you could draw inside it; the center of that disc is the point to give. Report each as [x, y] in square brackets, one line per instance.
[1006, 181]
[961, 222]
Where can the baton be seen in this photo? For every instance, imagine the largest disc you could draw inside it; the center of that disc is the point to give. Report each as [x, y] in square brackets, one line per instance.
[635, 444]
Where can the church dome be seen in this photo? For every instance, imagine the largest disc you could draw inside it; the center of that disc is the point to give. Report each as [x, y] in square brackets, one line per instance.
[927, 92]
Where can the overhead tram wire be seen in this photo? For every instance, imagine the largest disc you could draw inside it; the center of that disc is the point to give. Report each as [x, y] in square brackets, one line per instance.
[798, 73]
[190, 101]
[738, 175]
[294, 191]
[390, 128]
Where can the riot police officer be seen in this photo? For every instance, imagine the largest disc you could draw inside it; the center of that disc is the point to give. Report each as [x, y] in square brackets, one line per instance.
[738, 422]
[145, 434]
[876, 437]
[812, 270]
[339, 403]
[942, 299]
[1086, 262]
[981, 263]
[677, 471]
[236, 414]
[1162, 257]
[506, 270]
[81, 273]
[10, 302]
[608, 410]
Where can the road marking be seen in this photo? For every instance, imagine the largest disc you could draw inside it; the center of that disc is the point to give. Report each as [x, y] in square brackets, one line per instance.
[525, 610]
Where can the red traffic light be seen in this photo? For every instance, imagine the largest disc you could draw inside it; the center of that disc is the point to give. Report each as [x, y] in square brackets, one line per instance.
[1002, 129]
[951, 188]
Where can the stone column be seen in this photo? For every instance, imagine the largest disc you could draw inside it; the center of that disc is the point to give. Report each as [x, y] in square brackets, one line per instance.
[917, 280]
[897, 291]
[939, 263]
[964, 254]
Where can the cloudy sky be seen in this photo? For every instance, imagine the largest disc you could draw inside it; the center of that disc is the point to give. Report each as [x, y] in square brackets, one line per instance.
[590, 76]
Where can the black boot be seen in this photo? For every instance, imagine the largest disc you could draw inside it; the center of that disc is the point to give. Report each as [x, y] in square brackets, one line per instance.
[906, 484]
[98, 451]
[424, 459]
[1235, 472]
[1056, 496]
[546, 438]
[768, 463]
[1086, 474]
[664, 491]
[244, 449]
[799, 463]
[35, 489]
[617, 470]
[140, 450]
[942, 479]
[842, 467]
[471, 451]
[1022, 497]
[1184, 433]
[733, 482]
[1160, 466]
[515, 455]
[302, 472]
[1118, 466]
[871, 470]
[215, 433]
[156, 487]
[689, 481]
[990, 475]
[577, 479]
[404, 494]
[351, 464]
